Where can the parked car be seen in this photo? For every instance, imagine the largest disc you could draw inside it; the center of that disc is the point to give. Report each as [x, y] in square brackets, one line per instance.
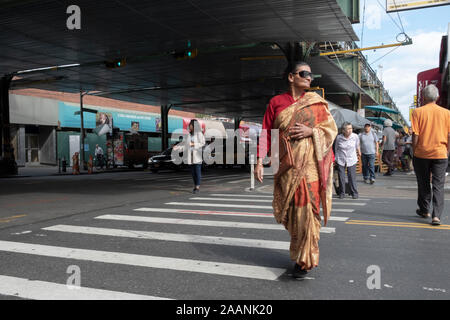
[164, 161]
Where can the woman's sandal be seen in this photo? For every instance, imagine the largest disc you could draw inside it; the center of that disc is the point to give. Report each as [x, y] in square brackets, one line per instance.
[423, 215]
[436, 222]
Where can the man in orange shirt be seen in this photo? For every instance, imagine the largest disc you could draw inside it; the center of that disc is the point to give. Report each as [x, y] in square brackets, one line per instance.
[431, 146]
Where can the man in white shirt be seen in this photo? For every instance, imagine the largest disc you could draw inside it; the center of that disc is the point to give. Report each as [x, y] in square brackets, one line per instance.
[347, 152]
[99, 155]
[369, 149]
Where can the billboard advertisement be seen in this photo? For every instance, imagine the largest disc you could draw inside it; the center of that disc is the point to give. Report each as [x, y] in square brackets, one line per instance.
[425, 78]
[401, 5]
[104, 119]
[103, 123]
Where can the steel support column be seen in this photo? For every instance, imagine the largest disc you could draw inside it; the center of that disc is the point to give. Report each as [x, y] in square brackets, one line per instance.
[82, 135]
[7, 162]
[165, 126]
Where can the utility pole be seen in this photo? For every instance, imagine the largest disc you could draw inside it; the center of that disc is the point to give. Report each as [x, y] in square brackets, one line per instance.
[82, 130]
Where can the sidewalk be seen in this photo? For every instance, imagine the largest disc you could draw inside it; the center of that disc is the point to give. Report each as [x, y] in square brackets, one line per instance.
[400, 185]
[47, 170]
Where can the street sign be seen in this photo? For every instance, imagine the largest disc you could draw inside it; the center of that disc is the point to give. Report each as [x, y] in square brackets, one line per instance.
[401, 5]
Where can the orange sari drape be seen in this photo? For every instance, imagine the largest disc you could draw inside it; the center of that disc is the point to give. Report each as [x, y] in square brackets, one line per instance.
[301, 190]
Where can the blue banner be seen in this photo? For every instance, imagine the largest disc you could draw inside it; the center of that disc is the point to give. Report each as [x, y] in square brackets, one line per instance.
[69, 117]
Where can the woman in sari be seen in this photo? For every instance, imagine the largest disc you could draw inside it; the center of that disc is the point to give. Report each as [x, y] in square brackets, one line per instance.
[303, 181]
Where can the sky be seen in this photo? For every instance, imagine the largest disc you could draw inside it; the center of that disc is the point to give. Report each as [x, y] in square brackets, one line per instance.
[398, 69]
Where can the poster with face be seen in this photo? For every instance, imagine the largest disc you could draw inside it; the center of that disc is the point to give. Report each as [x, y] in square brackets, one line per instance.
[134, 126]
[158, 124]
[103, 123]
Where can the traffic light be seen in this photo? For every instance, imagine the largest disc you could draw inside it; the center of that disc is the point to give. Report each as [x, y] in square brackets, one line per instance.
[185, 54]
[117, 63]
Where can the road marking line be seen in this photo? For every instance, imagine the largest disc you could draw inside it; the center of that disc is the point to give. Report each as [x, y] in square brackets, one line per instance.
[228, 199]
[192, 222]
[208, 223]
[227, 213]
[190, 265]
[220, 205]
[239, 195]
[209, 212]
[337, 218]
[397, 224]
[264, 200]
[8, 219]
[42, 290]
[349, 199]
[201, 204]
[349, 203]
[240, 180]
[178, 237]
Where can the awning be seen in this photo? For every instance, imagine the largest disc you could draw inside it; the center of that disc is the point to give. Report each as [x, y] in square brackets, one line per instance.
[381, 108]
[345, 115]
[152, 38]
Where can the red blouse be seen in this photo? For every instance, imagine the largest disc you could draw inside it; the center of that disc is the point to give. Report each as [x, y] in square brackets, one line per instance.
[276, 105]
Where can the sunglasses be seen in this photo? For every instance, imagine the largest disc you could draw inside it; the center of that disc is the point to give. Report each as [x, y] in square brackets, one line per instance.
[305, 74]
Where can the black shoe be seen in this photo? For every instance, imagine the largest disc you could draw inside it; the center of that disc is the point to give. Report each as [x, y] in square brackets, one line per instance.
[423, 215]
[387, 174]
[355, 196]
[196, 190]
[341, 196]
[298, 272]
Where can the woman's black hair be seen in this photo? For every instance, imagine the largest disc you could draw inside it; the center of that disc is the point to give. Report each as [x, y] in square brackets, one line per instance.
[195, 124]
[292, 68]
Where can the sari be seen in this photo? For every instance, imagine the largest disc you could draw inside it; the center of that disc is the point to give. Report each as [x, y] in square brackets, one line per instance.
[300, 190]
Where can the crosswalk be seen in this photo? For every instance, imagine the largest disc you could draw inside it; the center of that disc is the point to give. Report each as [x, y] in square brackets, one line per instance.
[207, 220]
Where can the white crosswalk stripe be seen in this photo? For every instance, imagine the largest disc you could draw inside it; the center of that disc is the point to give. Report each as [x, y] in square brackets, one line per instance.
[209, 223]
[166, 236]
[269, 201]
[239, 195]
[43, 290]
[224, 213]
[218, 205]
[191, 265]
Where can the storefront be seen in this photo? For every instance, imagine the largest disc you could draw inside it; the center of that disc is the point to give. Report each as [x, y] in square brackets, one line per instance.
[33, 130]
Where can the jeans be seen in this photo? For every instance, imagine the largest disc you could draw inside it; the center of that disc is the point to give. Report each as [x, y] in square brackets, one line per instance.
[368, 166]
[423, 169]
[351, 172]
[196, 170]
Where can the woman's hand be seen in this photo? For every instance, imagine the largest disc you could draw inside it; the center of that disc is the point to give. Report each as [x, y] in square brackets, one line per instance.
[300, 131]
[259, 172]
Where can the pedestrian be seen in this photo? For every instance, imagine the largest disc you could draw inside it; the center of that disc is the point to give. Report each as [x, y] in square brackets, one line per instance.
[369, 149]
[304, 178]
[195, 155]
[431, 146]
[408, 152]
[99, 155]
[400, 143]
[388, 144]
[347, 153]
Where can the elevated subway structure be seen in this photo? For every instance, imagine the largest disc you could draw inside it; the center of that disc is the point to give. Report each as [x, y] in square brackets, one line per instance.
[150, 40]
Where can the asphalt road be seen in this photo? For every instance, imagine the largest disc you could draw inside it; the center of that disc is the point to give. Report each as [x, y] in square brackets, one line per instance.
[138, 235]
